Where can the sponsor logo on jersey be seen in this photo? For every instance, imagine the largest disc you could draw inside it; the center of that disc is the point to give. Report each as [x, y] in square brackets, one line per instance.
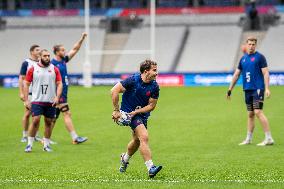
[148, 93]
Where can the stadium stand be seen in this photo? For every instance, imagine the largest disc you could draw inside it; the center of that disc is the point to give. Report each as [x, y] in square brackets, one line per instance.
[272, 47]
[210, 49]
[168, 41]
[202, 19]
[15, 43]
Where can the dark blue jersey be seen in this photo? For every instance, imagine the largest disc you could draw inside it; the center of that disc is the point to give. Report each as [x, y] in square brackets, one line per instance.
[250, 66]
[61, 65]
[138, 93]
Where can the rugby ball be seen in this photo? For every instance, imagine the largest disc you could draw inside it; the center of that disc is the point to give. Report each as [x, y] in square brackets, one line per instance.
[125, 119]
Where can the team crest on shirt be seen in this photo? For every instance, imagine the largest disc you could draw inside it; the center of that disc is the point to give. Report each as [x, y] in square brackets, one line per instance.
[252, 59]
[148, 93]
[49, 70]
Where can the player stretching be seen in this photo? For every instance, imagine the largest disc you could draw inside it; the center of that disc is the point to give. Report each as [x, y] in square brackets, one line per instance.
[46, 91]
[28, 63]
[140, 96]
[255, 75]
[61, 59]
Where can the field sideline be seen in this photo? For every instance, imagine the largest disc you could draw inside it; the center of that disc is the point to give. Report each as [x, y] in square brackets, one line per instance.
[194, 134]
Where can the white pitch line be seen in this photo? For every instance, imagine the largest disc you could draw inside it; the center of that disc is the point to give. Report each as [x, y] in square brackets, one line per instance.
[134, 180]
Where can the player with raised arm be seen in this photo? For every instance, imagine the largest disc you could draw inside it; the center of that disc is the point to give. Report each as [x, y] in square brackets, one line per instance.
[255, 75]
[60, 61]
[140, 96]
[46, 91]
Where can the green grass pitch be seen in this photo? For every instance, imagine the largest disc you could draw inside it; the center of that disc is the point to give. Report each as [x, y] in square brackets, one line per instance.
[194, 134]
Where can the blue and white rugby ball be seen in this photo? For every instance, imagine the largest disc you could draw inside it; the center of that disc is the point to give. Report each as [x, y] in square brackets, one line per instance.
[125, 119]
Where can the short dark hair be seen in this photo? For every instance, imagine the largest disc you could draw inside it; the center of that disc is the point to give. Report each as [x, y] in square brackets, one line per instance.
[32, 48]
[56, 48]
[252, 38]
[146, 65]
[43, 50]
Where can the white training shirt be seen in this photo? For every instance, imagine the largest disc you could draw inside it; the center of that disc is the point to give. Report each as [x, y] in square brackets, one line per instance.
[43, 83]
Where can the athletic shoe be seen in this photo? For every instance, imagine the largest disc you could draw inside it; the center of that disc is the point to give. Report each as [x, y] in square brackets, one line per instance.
[245, 142]
[47, 149]
[266, 142]
[38, 139]
[79, 140]
[52, 142]
[123, 164]
[28, 148]
[154, 170]
[24, 139]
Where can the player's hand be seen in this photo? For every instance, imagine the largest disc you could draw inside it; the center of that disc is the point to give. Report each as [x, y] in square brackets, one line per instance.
[84, 35]
[27, 104]
[133, 113]
[22, 97]
[116, 115]
[55, 101]
[229, 93]
[267, 93]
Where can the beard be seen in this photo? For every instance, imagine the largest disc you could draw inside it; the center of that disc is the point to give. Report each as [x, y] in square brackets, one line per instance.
[62, 56]
[45, 63]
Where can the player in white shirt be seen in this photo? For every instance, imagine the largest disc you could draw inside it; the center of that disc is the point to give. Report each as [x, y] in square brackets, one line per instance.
[26, 65]
[46, 91]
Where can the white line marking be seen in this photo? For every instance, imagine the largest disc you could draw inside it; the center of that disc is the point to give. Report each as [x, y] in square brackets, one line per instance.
[133, 180]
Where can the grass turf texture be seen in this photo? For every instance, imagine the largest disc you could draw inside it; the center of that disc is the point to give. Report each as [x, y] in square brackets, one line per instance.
[194, 134]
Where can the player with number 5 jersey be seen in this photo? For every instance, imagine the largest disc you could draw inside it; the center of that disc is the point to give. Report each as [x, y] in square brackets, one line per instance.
[255, 75]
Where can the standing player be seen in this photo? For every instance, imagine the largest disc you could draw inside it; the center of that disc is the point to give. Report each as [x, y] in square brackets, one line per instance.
[140, 96]
[255, 75]
[60, 61]
[28, 63]
[46, 91]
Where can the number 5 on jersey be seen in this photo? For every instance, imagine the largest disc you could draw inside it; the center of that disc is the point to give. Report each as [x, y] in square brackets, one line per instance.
[248, 76]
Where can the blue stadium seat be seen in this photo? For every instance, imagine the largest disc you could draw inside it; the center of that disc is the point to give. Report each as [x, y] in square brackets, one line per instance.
[75, 4]
[172, 3]
[216, 3]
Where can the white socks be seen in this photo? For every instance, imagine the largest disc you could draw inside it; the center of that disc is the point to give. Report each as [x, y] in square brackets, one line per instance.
[249, 136]
[25, 133]
[126, 157]
[31, 141]
[268, 136]
[73, 135]
[149, 164]
[46, 142]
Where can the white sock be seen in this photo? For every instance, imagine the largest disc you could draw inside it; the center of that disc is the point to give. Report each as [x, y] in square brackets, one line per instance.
[25, 133]
[126, 157]
[46, 142]
[268, 136]
[149, 164]
[73, 135]
[249, 136]
[31, 140]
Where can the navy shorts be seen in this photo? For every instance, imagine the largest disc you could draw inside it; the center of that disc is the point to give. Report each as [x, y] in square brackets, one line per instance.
[47, 111]
[137, 120]
[254, 99]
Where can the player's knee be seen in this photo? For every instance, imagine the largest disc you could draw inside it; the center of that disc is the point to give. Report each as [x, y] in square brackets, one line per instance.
[258, 112]
[67, 114]
[143, 139]
[251, 114]
[36, 122]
